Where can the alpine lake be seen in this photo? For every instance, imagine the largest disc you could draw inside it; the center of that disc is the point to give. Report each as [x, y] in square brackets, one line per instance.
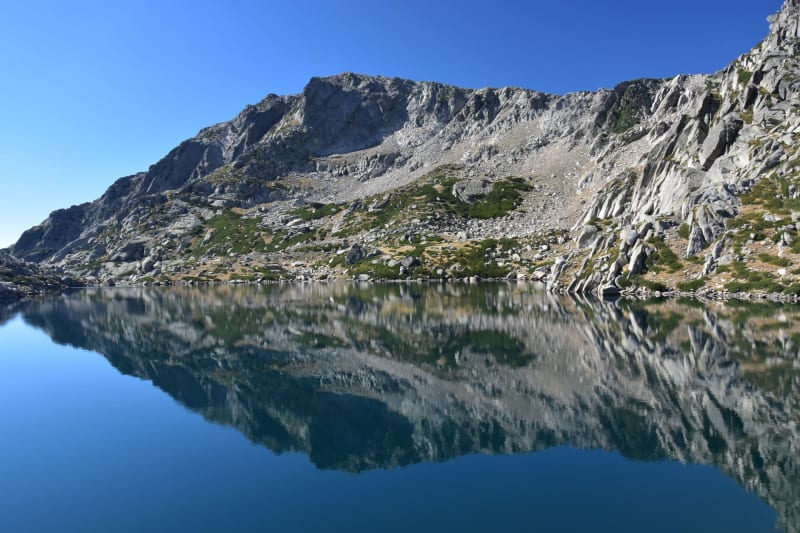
[396, 407]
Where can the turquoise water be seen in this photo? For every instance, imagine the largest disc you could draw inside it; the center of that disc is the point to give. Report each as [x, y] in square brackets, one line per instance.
[378, 409]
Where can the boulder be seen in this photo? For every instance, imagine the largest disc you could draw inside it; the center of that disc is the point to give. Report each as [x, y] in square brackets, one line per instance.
[410, 262]
[719, 139]
[540, 274]
[470, 191]
[696, 242]
[588, 236]
[355, 254]
[636, 265]
[130, 251]
[616, 268]
[147, 264]
[629, 236]
[609, 291]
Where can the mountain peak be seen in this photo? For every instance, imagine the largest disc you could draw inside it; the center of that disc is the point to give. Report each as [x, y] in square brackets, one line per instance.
[370, 164]
[785, 25]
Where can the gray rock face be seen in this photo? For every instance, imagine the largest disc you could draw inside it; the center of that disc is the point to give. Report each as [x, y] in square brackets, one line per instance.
[609, 291]
[355, 254]
[410, 262]
[637, 262]
[147, 264]
[471, 190]
[60, 229]
[588, 236]
[719, 139]
[629, 237]
[130, 251]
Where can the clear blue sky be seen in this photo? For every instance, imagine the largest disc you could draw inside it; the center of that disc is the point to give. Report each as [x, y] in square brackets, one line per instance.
[94, 90]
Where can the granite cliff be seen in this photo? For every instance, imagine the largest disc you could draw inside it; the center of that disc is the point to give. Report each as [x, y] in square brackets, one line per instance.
[687, 183]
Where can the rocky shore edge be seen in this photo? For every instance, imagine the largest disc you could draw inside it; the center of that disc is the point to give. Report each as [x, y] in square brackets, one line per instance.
[639, 293]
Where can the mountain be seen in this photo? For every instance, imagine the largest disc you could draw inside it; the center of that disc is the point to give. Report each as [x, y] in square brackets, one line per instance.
[684, 183]
[387, 375]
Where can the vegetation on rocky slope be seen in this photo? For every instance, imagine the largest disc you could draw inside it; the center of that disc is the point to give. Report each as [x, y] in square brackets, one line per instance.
[411, 233]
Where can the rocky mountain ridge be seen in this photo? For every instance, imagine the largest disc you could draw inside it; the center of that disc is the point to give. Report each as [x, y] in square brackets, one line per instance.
[651, 184]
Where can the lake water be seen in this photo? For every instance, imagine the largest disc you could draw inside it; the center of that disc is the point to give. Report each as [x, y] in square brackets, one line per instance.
[336, 407]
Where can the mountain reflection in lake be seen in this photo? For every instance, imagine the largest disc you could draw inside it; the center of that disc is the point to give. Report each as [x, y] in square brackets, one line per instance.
[375, 377]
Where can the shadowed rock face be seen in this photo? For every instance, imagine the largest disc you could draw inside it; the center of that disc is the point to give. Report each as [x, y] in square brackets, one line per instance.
[19, 279]
[383, 376]
[673, 151]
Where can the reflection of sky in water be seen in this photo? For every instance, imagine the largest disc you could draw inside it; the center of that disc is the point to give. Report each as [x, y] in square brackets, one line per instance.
[101, 450]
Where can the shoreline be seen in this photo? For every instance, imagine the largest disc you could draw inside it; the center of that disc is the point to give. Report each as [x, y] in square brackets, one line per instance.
[15, 294]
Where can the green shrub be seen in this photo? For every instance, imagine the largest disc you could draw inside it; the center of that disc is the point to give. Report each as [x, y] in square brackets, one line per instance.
[638, 281]
[662, 257]
[625, 118]
[692, 285]
[753, 286]
[231, 231]
[774, 260]
[744, 76]
[375, 270]
[475, 260]
[282, 240]
[504, 197]
[654, 285]
[310, 213]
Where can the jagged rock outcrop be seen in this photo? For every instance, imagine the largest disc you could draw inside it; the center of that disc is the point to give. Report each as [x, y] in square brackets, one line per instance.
[677, 151]
[711, 139]
[377, 377]
[19, 279]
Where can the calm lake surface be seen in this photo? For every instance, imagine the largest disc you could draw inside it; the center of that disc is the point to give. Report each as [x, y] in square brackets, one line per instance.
[336, 407]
